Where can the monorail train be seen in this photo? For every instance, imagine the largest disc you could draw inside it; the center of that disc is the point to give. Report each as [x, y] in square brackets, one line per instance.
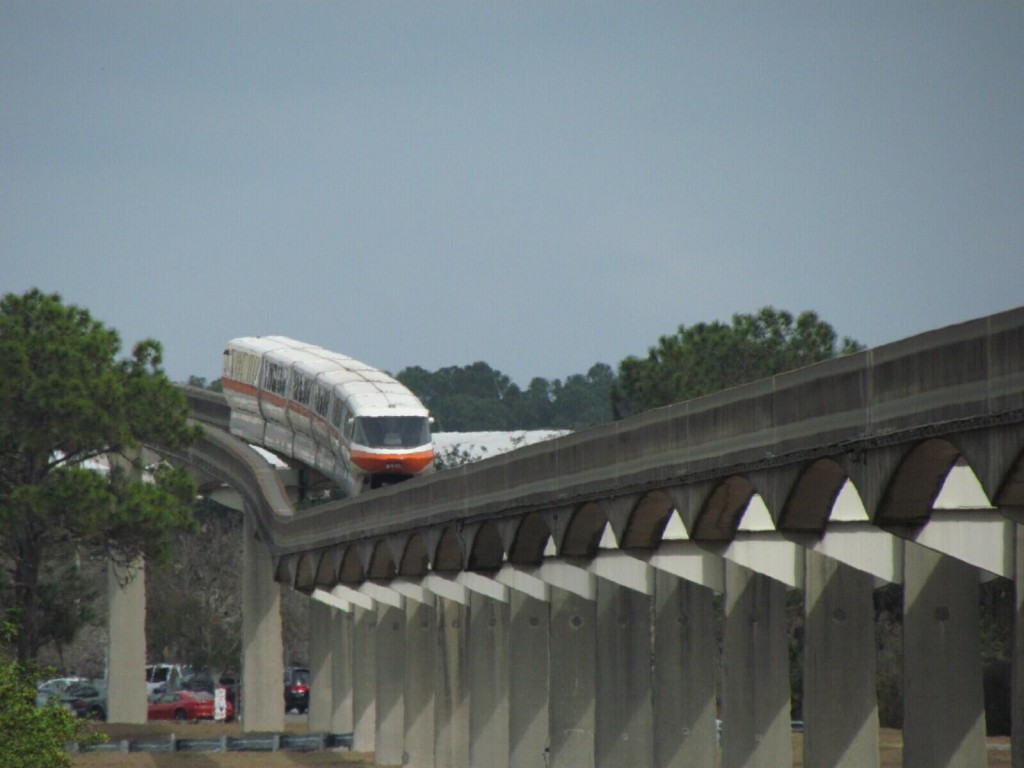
[355, 424]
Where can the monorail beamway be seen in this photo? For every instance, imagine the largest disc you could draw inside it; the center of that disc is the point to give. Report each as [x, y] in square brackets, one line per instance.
[553, 606]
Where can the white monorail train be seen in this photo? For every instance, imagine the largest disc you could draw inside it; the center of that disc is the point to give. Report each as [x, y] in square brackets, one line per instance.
[355, 424]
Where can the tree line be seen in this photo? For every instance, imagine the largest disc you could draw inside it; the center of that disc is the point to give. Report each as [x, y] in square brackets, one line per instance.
[694, 361]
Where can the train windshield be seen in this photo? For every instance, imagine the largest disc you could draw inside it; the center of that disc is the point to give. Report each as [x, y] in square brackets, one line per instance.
[391, 431]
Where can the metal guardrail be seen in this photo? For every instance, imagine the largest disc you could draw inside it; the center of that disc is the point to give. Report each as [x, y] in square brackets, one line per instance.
[260, 742]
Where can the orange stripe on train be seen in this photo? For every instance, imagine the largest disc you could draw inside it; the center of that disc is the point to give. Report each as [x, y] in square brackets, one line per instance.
[392, 462]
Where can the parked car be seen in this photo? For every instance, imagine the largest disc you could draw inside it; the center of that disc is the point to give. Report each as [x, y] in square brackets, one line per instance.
[296, 689]
[52, 689]
[86, 699]
[165, 677]
[185, 705]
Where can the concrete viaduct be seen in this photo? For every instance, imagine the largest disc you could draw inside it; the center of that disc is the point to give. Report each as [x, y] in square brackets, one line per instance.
[554, 606]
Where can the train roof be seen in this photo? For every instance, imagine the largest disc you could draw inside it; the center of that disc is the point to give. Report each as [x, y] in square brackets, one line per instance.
[367, 390]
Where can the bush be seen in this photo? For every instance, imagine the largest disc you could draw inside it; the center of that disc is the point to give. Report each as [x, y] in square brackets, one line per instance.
[32, 737]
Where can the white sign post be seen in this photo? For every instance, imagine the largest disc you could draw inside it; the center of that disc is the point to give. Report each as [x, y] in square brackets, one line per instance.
[220, 704]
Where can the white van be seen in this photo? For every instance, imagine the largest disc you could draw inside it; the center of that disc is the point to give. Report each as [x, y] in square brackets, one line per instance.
[166, 677]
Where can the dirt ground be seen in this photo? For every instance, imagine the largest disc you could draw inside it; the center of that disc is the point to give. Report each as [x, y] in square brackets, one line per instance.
[891, 750]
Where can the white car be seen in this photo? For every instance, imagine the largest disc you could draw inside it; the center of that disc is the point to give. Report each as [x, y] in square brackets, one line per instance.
[166, 677]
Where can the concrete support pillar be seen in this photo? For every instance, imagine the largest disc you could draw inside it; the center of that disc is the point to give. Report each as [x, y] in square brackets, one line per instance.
[389, 745]
[420, 652]
[944, 707]
[451, 690]
[487, 657]
[623, 714]
[341, 632]
[840, 703]
[364, 680]
[529, 669]
[1017, 684]
[755, 672]
[573, 680]
[126, 663]
[321, 697]
[685, 652]
[262, 648]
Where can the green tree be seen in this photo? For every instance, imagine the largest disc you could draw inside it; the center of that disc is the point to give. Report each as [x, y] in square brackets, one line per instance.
[200, 617]
[583, 401]
[709, 357]
[66, 401]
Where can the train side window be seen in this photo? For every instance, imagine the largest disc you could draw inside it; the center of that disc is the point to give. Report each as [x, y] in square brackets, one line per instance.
[300, 388]
[322, 399]
[275, 379]
[336, 413]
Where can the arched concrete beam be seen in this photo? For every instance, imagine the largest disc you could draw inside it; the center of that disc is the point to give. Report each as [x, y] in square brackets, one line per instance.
[305, 573]
[619, 511]
[997, 457]
[776, 486]
[870, 471]
[330, 565]
[382, 562]
[583, 535]
[688, 501]
[557, 521]
[285, 569]
[415, 559]
[450, 554]
[396, 546]
[352, 567]
[648, 517]
[720, 516]
[811, 497]
[531, 535]
[916, 483]
[487, 551]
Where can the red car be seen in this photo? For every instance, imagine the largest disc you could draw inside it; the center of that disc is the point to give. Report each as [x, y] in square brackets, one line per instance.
[185, 705]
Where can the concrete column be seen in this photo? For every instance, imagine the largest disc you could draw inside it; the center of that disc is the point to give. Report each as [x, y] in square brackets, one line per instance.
[389, 743]
[573, 680]
[755, 672]
[1017, 684]
[364, 680]
[341, 631]
[420, 652]
[321, 697]
[487, 656]
[623, 714]
[943, 698]
[529, 669]
[262, 649]
[840, 702]
[126, 662]
[451, 691]
[685, 655]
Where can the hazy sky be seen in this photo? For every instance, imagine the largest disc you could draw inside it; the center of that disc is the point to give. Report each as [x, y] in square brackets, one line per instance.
[540, 186]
